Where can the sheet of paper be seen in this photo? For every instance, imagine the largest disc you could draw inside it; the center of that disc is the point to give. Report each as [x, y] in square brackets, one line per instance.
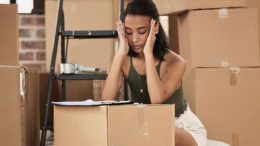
[90, 102]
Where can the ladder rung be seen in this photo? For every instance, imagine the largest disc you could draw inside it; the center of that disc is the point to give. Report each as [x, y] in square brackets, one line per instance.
[90, 34]
[91, 76]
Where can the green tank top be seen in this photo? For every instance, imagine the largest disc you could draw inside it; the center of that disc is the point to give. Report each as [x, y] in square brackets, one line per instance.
[138, 82]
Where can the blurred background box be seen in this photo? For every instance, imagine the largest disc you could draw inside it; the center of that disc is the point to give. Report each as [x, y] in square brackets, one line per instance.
[19, 124]
[9, 35]
[227, 101]
[219, 37]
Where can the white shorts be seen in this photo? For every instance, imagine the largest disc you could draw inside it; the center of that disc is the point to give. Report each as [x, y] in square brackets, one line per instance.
[191, 123]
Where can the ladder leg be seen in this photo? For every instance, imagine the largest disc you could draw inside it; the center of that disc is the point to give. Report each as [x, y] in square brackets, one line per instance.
[47, 108]
[63, 58]
[52, 71]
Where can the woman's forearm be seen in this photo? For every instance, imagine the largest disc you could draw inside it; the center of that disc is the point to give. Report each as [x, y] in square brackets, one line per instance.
[113, 79]
[154, 84]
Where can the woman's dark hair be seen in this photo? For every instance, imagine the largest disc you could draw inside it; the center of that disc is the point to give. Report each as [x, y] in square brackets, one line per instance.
[148, 8]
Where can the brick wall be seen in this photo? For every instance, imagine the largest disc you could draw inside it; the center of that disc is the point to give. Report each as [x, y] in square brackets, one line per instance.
[32, 41]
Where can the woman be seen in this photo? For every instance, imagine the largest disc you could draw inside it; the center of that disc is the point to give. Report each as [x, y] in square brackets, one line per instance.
[153, 72]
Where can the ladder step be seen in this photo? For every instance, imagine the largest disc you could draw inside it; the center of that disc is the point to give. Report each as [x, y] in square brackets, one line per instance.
[91, 76]
[85, 34]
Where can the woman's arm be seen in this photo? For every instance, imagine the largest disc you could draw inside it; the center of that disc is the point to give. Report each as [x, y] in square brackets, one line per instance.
[115, 73]
[114, 79]
[162, 88]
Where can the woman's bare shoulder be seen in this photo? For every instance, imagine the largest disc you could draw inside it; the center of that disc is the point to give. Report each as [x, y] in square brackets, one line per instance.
[173, 59]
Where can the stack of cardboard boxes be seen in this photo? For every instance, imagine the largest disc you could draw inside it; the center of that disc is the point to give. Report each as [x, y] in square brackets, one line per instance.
[19, 91]
[220, 42]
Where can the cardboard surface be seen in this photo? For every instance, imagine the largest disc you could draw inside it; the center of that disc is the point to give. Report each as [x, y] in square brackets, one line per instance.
[219, 37]
[43, 89]
[173, 33]
[227, 101]
[75, 91]
[175, 6]
[78, 90]
[9, 35]
[82, 15]
[122, 125]
[19, 124]
[255, 3]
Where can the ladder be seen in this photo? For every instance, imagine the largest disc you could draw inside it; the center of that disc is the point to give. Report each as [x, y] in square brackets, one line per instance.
[61, 34]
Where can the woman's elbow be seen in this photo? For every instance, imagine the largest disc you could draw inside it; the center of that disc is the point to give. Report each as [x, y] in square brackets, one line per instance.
[157, 100]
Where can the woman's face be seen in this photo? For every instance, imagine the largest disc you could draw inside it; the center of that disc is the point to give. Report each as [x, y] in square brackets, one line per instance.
[137, 29]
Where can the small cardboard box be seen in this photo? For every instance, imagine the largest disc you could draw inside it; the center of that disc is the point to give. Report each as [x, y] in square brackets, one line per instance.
[175, 6]
[227, 101]
[219, 37]
[19, 124]
[118, 125]
[9, 35]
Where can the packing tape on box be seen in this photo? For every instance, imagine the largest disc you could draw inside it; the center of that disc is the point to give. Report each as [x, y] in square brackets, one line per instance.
[22, 82]
[223, 13]
[224, 63]
[233, 75]
[69, 68]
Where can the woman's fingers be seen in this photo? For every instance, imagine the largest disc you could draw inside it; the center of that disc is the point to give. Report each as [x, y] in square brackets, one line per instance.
[152, 29]
[120, 29]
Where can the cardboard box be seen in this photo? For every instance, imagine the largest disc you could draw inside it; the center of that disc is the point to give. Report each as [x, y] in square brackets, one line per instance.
[255, 3]
[175, 6]
[43, 91]
[173, 33]
[119, 125]
[78, 90]
[227, 101]
[75, 91]
[19, 124]
[9, 35]
[219, 37]
[82, 15]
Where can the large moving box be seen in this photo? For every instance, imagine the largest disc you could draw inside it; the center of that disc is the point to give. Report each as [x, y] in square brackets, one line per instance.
[118, 125]
[9, 35]
[219, 37]
[227, 101]
[19, 124]
[173, 6]
[82, 15]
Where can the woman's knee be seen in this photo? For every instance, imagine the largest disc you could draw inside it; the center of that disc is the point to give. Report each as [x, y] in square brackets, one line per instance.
[184, 138]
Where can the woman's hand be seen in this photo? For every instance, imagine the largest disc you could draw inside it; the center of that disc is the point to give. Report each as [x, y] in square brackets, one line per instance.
[148, 48]
[123, 42]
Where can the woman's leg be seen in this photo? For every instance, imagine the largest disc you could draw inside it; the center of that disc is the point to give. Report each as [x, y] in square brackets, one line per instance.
[184, 138]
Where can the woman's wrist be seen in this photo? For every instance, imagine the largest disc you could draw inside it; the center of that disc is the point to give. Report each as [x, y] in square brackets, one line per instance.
[148, 55]
[119, 57]
[149, 58]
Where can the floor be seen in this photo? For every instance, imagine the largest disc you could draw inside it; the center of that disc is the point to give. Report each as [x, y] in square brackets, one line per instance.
[49, 138]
